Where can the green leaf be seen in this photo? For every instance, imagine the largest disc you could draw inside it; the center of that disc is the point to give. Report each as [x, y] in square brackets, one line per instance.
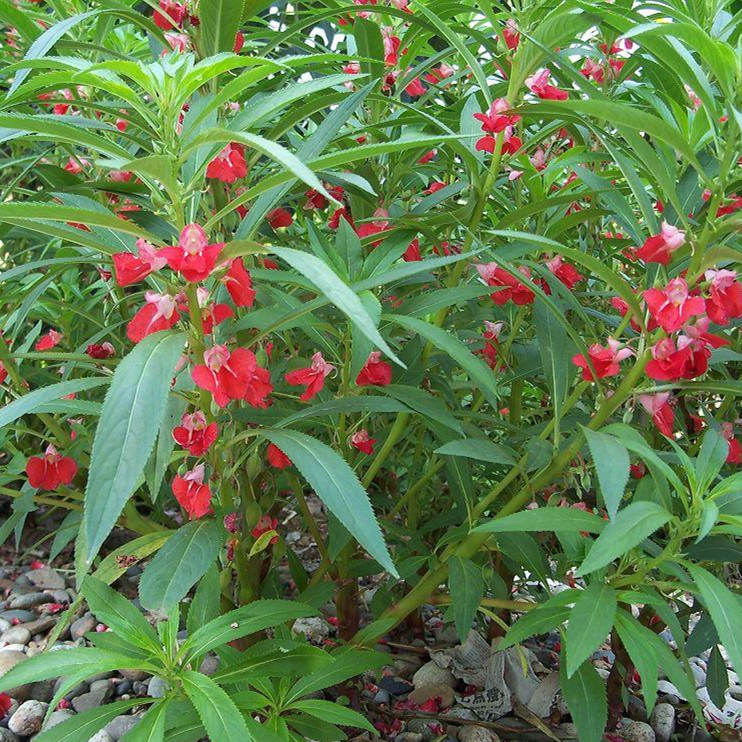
[545, 519]
[331, 286]
[630, 527]
[32, 401]
[370, 46]
[88, 723]
[590, 622]
[542, 619]
[347, 664]
[120, 615]
[152, 726]
[711, 458]
[181, 562]
[717, 677]
[127, 430]
[612, 463]
[206, 602]
[725, 610]
[337, 485]
[221, 718]
[584, 694]
[467, 588]
[220, 21]
[274, 659]
[334, 713]
[480, 450]
[479, 372]
[261, 614]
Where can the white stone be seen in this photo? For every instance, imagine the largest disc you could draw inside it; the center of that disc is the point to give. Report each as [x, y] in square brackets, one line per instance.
[663, 721]
[431, 674]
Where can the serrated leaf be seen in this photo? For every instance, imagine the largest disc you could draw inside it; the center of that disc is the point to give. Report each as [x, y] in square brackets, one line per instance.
[152, 726]
[334, 713]
[584, 694]
[221, 718]
[480, 450]
[545, 519]
[127, 430]
[612, 464]
[220, 21]
[467, 588]
[717, 677]
[181, 562]
[590, 622]
[86, 724]
[542, 619]
[338, 487]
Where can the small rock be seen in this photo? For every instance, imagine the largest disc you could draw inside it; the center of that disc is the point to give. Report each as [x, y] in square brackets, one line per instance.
[43, 690]
[636, 731]
[139, 688]
[134, 675]
[31, 600]
[124, 686]
[102, 736]
[40, 625]
[210, 665]
[567, 731]
[663, 721]
[92, 700]
[382, 696]
[422, 727]
[157, 688]
[4, 625]
[395, 686]
[477, 734]
[83, 625]
[637, 709]
[118, 727]
[22, 616]
[16, 635]
[432, 674]
[408, 737]
[27, 720]
[103, 684]
[699, 675]
[8, 660]
[315, 628]
[694, 734]
[57, 717]
[426, 692]
[46, 578]
[7, 736]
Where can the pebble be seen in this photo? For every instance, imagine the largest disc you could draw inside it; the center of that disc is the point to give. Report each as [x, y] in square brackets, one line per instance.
[432, 674]
[83, 625]
[46, 578]
[118, 727]
[28, 718]
[408, 737]
[43, 690]
[57, 717]
[4, 625]
[637, 731]
[394, 686]
[39, 625]
[477, 734]
[7, 736]
[315, 629]
[92, 700]
[133, 675]
[16, 635]
[157, 688]
[426, 692]
[31, 600]
[422, 726]
[662, 721]
[124, 686]
[102, 736]
[22, 616]
[8, 660]
[382, 696]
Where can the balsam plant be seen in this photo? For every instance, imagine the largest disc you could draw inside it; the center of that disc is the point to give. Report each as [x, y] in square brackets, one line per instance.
[467, 273]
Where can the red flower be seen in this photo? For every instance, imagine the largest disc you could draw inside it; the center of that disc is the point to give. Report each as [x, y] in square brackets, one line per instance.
[5, 703]
[130, 268]
[513, 289]
[363, 442]
[565, 272]
[734, 455]
[195, 434]
[605, 360]
[3, 372]
[659, 407]
[380, 224]
[47, 472]
[313, 376]
[412, 253]
[48, 341]
[277, 458]
[660, 247]
[415, 88]
[497, 120]
[539, 84]
[491, 337]
[375, 372]
[177, 11]
[101, 352]
[76, 166]
[427, 157]
[229, 165]
[233, 376]
[239, 284]
[211, 314]
[685, 361]
[264, 525]
[192, 257]
[673, 306]
[193, 495]
[279, 218]
[159, 313]
[239, 42]
[511, 35]
[618, 303]
[725, 301]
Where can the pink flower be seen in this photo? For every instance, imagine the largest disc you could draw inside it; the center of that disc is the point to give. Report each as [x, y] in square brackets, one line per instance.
[512, 289]
[313, 377]
[659, 248]
[192, 257]
[195, 434]
[363, 442]
[375, 372]
[415, 88]
[129, 268]
[565, 272]
[229, 165]
[233, 375]
[178, 12]
[539, 84]
[605, 360]
[511, 34]
[48, 341]
[51, 470]
[686, 360]
[159, 313]
[659, 407]
[725, 301]
[100, 352]
[673, 306]
[193, 495]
